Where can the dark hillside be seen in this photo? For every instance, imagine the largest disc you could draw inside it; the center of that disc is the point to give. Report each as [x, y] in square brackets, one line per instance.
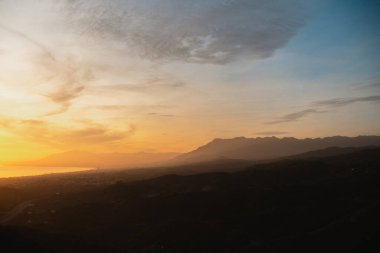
[328, 204]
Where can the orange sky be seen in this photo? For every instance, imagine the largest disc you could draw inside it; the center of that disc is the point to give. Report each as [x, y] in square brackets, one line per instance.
[114, 76]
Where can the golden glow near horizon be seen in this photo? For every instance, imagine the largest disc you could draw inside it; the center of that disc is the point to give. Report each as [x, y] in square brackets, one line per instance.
[18, 171]
[114, 76]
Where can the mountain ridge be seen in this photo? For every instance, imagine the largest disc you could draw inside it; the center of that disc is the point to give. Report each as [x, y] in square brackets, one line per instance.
[269, 147]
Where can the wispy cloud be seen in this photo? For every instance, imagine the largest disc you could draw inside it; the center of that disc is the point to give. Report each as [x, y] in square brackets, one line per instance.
[46, 52]
[295, 116]
[150, 84]
[271, 133]
[339, 102]
[43, 132]
[162, 115]
[63, 97]
[372, 84]
[70, 80]
[132, 108]
[67, 79]
[324, 106]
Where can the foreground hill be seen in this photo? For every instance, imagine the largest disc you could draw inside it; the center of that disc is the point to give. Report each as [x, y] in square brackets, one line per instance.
[269, 147]
[317, 204]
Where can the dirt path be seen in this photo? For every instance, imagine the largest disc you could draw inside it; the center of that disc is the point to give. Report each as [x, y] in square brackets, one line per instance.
[15, 211]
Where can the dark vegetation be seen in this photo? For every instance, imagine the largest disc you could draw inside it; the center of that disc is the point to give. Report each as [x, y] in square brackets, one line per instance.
[10, 197]
[317, 202]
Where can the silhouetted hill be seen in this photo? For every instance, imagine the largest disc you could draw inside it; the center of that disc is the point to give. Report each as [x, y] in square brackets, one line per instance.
[317, 204]
[269, 147]
[46, 185]
[16, 241]
[100, 160]
[327, 152]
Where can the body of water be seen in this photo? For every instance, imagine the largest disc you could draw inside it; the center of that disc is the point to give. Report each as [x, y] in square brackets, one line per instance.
[22, 171]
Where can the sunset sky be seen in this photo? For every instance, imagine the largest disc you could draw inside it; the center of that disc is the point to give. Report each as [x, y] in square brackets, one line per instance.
[170, 75]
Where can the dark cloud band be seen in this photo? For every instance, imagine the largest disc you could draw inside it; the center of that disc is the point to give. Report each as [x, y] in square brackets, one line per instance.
[338, 102]
[200, 31]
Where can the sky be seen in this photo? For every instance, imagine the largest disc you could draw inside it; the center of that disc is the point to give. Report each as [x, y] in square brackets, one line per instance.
[171, 75]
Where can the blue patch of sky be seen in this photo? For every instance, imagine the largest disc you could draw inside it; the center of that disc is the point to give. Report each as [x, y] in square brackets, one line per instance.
[343, 38]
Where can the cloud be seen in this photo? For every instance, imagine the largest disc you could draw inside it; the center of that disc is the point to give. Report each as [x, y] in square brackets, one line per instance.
[70, 79]
[66, 76]
[271, 133]
[43, 132]
[199, 31]
[339, 102]
[46, 52]
[151, 83]
[154, 110]
[295, 116]
[162, 115]
[131, 108]
[325, 104]
[96, 135]
[63, 97]
[373, 84]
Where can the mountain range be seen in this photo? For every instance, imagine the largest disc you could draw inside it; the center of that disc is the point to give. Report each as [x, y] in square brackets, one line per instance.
[269, 147]
[239, 148]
